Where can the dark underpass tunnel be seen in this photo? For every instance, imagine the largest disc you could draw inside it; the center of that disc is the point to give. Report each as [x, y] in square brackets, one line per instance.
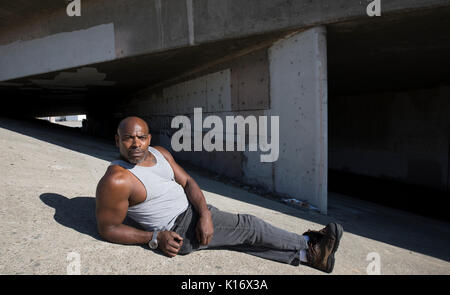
[389, 90]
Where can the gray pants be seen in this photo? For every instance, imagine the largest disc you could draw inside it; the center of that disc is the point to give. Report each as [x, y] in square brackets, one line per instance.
[241, 232]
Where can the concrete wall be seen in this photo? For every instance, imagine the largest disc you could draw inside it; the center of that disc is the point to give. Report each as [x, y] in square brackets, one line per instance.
[299, 92]
[237, 87]
[401, 136]
[286, 81]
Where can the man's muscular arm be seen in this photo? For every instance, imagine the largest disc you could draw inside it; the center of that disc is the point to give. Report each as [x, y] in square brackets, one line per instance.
[112, 195]
[205, 228]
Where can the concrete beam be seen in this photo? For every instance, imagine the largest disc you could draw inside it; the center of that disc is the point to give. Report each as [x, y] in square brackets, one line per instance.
[216, 19]
[298, 93]
[146, 27]
[57, 52]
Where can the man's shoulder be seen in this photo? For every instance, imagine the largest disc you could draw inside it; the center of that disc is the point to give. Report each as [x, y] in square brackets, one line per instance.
[116, 176]
[163, 151]
[115, 186]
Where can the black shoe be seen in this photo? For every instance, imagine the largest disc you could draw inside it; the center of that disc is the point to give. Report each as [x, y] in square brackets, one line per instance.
[322, 245]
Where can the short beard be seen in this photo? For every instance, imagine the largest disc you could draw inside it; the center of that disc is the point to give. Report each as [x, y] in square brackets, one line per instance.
[134, 161]
[138, 161]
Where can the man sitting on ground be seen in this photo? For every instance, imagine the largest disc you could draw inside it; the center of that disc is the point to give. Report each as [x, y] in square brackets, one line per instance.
[149, 186]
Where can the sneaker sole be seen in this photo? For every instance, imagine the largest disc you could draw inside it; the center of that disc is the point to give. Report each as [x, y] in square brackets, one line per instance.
[337, 231]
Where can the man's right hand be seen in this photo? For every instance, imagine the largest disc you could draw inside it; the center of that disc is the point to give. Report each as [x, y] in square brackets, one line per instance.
[169, 242]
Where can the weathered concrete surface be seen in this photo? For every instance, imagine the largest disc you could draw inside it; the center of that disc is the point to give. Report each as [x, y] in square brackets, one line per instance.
[144, 27]
[299, 96]
[287, 84]
[48, 180]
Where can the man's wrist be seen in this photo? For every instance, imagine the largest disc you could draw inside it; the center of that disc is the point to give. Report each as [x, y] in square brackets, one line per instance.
[205, 213]
[149, 236]
[154, 242]
[158, 235]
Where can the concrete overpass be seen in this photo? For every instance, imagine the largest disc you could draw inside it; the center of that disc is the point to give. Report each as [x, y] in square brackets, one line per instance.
[354, 94]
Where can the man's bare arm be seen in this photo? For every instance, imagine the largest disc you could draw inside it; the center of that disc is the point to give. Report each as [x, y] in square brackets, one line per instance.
[112, 195]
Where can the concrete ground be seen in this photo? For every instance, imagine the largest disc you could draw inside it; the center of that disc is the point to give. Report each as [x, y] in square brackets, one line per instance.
[49, 176]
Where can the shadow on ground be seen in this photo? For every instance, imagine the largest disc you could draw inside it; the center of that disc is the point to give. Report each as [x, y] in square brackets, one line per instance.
[77, 213]
[64, 136]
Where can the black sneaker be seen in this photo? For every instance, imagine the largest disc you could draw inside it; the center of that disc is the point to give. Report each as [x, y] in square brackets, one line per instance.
[322, 245]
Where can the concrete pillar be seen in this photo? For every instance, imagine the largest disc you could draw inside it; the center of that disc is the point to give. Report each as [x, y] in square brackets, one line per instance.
[298, 95]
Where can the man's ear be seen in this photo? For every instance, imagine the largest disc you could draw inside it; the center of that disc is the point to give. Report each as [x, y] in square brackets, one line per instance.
[149, 138]
[117, 140]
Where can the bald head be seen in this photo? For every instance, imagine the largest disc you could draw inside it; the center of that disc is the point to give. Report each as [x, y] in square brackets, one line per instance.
[133, 139]
[131, 123]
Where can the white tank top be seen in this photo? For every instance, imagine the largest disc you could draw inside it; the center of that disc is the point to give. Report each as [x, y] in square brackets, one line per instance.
[165, 199]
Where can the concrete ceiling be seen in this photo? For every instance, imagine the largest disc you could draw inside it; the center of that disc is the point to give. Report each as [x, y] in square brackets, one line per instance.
[12, 11]
[96, 86]
[367, 55]
[409, 51]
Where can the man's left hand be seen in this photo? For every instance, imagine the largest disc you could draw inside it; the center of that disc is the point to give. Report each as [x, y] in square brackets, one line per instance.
[205, 229]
